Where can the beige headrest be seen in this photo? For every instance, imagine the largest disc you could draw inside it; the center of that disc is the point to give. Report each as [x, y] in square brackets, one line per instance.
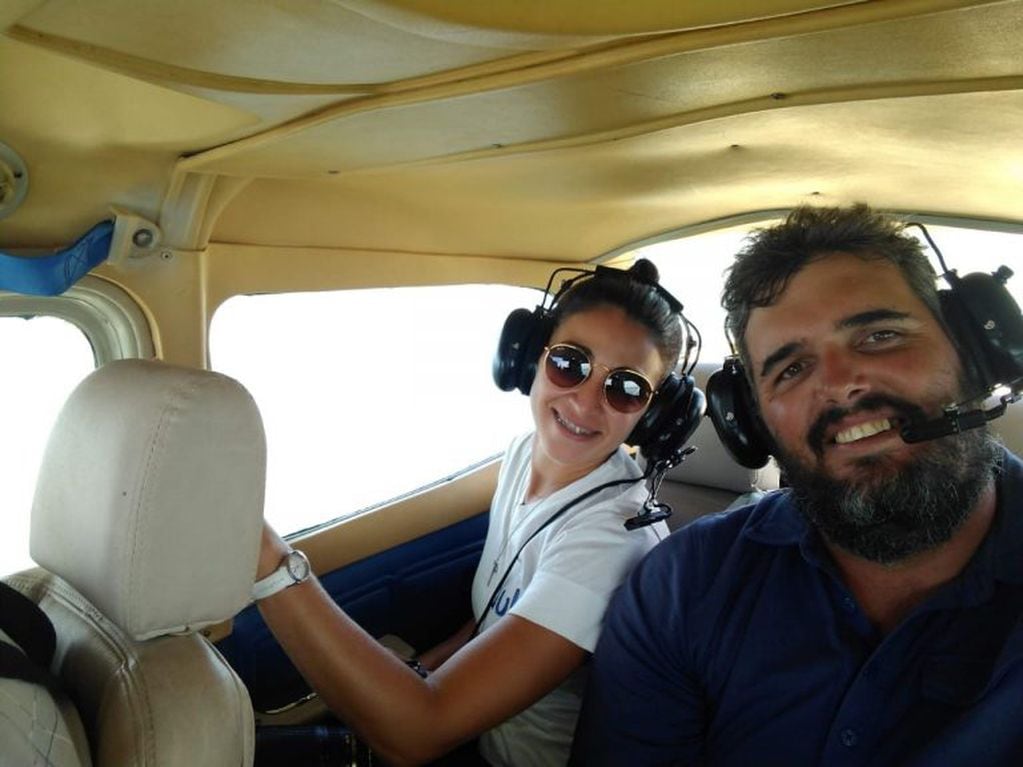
[150, 496]
[711, 465]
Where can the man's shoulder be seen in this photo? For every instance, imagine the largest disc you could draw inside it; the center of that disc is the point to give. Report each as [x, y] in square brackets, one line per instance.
[705, 543]
[1012, 468]
[769, 510]
[697, 568]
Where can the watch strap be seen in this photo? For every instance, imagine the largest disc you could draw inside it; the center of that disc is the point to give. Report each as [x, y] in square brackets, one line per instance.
[293, 569]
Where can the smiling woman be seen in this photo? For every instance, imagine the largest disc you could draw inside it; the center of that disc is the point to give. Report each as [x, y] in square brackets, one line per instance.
[559, 531]
[338, 202]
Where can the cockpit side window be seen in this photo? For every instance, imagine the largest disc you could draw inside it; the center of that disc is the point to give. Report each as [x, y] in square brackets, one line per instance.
[692, 265]
[368, 395]
[45, 357]
[49, 345]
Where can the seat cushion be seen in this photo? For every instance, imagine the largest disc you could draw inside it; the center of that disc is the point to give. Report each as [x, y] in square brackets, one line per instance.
[168, 701]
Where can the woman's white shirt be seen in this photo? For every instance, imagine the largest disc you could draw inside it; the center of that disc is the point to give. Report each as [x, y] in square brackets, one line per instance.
[561, 580]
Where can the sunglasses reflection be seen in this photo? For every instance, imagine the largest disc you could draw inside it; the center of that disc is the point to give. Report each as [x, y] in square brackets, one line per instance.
[568, 366]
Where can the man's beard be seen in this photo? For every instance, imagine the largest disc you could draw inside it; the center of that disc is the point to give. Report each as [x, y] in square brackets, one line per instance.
[893, 511]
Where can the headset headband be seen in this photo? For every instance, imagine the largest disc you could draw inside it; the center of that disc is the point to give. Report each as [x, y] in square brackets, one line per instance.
[608, 272]
[693, 339]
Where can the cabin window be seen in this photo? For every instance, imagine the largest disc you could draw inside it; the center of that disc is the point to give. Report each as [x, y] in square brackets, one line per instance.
[693, 267]
[369, 394]
[44, 359]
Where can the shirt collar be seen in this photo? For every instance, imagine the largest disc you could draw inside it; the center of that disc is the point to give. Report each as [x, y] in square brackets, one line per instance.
[777, 521]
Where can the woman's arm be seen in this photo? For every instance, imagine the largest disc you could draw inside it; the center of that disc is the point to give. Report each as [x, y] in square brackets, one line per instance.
[407, 719]
[432, 659]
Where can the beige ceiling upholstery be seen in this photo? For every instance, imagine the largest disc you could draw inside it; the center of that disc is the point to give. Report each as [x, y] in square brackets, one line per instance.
[527, 130]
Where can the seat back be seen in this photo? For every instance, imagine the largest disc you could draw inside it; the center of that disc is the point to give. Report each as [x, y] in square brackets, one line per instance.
[710, 480]
[1009, 428]
[146, 524]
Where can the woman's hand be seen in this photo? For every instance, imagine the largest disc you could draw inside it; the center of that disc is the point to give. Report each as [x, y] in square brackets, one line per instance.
[407, 719]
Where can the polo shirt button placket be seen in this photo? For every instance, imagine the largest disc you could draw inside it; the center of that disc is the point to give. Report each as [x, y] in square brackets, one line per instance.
[849, 737]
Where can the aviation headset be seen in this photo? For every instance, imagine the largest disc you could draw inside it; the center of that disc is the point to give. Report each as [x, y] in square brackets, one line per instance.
[980, 316]
[677, 405]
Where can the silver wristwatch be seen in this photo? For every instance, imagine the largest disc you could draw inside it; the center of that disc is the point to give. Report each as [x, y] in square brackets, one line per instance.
[294, 569]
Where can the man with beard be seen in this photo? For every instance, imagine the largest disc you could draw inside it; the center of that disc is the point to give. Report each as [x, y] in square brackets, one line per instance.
[871, 613]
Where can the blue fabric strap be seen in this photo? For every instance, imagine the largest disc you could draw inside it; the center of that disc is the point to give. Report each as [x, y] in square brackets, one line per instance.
[52, 275]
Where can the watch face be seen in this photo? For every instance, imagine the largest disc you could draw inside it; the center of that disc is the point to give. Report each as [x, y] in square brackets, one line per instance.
[298, 566]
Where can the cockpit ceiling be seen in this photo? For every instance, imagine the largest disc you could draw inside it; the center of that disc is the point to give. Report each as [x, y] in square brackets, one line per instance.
[513, 129]
[579, 201]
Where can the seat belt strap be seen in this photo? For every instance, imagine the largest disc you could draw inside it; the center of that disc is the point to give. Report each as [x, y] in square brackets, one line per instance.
[27, 625]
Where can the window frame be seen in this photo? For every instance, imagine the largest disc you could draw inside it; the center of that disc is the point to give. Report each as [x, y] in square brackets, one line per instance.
[113, 324]
[369, 507]
[110, 319]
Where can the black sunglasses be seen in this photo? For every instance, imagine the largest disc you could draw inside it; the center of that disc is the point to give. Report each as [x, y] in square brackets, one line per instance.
[568, 366]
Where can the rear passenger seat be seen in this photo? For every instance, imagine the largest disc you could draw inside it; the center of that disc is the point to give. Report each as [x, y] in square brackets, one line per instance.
[710, 480]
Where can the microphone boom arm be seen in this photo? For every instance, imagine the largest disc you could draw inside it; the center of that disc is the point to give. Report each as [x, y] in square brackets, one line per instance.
[954, 420]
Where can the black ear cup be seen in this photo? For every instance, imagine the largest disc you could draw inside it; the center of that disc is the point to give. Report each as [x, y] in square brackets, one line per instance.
[518, 350]
[733, 411]
[670, 419]
[986, 326]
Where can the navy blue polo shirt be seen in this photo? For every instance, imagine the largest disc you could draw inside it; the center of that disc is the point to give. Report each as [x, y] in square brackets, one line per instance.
[735, 642]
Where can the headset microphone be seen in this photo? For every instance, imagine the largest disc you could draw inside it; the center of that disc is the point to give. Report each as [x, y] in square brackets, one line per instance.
[986, 325]
[954, 420]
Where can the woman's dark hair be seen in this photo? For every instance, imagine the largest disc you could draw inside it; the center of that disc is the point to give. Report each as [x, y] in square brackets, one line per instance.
[771, 257]
[636, 293]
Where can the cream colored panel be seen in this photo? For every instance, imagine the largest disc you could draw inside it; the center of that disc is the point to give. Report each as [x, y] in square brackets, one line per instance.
[243, 269]
[12, 10]
[312, 41]
[594, 94]
[531, 150]
[170, 291]
[272, 100]
[87, 108]
[91, 138]
[535, 20]
[574, 203]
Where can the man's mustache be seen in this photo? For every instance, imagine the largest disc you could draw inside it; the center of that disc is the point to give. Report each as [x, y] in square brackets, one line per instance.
[904, 410]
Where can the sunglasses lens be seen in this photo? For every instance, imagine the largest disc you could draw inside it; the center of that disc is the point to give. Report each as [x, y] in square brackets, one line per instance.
[566, 367]
[626, 392]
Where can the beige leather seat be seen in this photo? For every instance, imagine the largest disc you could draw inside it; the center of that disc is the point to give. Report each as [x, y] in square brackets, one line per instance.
[710, 480]
[146, 525]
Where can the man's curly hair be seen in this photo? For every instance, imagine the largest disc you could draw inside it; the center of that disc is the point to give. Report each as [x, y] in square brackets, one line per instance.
[770, 257]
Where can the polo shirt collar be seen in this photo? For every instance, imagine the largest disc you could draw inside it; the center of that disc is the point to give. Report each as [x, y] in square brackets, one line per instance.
[779, 522]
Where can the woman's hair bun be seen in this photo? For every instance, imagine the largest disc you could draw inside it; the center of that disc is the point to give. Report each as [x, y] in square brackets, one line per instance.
[644, 271]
